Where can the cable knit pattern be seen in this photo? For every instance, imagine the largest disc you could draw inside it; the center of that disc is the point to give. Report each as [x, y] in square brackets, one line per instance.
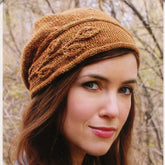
[61, 41]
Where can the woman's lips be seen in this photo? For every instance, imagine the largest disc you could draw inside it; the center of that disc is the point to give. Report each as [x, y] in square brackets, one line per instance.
[105, 132]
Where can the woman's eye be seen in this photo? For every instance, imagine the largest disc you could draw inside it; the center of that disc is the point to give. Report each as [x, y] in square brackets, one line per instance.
[91, 85]
[126, 90]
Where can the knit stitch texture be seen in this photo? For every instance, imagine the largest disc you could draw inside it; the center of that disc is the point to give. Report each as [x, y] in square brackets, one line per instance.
[61, 41]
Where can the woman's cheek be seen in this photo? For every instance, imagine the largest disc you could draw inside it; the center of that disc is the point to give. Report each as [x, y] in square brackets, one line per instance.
[80, 104]
[124, 111]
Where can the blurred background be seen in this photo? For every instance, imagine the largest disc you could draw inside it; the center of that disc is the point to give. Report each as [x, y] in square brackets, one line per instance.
[144, 20]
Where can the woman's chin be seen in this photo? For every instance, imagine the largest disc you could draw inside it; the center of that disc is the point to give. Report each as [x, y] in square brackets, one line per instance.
[100, 152]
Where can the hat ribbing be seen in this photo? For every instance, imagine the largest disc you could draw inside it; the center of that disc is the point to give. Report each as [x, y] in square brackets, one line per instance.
[61, 41]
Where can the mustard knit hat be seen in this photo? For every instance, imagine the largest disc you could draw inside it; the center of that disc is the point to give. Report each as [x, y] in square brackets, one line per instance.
[61, 41]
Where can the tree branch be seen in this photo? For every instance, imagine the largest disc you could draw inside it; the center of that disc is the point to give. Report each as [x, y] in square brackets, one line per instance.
[157, 134]
[77, 3]
[148, 48]
[146, 25]
[161, 3]
[101, 5]
[10, 30]
[113, 12]
[50, 6]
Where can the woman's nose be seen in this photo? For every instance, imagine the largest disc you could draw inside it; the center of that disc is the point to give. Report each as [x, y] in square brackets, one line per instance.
[110, 107]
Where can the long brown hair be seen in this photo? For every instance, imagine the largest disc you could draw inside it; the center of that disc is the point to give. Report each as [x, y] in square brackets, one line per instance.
[40, 141]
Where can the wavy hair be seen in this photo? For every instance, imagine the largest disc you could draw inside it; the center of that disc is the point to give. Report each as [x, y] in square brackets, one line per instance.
[40, 141]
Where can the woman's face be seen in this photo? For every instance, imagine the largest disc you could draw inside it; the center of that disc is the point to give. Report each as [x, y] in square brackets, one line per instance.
[98, 104]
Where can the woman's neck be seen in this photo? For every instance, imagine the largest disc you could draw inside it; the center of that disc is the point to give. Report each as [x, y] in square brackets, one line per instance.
[77, 155]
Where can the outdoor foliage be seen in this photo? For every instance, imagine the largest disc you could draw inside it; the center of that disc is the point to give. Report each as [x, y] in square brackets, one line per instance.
[144, 20]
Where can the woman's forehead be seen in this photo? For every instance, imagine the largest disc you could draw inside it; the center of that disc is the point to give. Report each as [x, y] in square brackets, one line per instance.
[111, 63]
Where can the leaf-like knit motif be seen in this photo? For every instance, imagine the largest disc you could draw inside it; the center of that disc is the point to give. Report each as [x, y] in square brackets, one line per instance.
[55, 49]
[73, 50]
[86, 33]
[54, 46]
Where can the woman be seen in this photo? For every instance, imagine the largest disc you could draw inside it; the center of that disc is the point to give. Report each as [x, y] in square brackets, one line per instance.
[80, 67]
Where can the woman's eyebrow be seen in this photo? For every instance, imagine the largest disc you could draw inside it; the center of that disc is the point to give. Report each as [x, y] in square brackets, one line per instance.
[96, 77]
[129, 81]
[106, 80]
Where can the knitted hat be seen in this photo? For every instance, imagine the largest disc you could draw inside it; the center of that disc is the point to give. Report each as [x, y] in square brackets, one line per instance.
[61, 41]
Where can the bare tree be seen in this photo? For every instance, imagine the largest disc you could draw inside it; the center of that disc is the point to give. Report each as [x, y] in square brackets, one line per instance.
[147, 28]
[77, 3]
